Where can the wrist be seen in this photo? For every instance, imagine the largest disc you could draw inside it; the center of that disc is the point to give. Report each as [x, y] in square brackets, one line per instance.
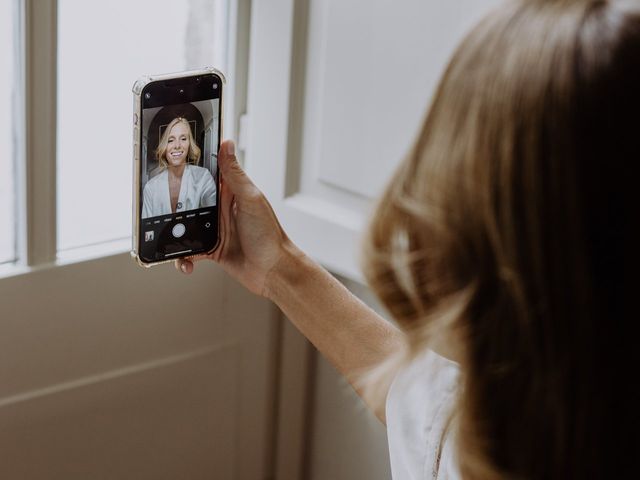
[286, 273]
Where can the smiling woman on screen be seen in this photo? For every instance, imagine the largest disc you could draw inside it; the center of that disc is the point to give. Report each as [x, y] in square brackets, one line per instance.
[181, 185]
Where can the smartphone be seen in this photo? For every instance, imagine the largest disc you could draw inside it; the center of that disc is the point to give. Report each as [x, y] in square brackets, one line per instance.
[177, 127]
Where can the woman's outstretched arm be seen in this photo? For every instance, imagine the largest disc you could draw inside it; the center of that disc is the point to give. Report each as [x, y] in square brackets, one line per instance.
[345, 330]
[256, 251]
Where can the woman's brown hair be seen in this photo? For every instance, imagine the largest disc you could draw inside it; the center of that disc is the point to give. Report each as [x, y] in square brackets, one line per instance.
[506, 225]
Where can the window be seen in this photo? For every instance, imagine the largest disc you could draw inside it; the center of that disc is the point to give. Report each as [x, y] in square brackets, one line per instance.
[8, 157]
[66, 72]
[103, 47]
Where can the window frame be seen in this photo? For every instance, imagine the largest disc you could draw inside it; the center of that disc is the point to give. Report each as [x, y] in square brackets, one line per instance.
[35, 130]
[36, 87]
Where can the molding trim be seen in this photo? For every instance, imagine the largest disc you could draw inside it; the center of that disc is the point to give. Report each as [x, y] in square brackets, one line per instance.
[112, 374]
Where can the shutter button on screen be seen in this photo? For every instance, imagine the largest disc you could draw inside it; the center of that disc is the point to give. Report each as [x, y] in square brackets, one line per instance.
[178, 230]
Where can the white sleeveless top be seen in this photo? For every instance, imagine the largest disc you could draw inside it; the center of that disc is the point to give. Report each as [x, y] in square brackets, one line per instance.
[419, 407]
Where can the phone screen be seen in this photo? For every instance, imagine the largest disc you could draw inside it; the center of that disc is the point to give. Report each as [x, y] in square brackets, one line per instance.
[179, 187]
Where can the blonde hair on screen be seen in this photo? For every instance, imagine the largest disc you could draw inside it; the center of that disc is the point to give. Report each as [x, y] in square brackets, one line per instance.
[161, 152]
[505, 227]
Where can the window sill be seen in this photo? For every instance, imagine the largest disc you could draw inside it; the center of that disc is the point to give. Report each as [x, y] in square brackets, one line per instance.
[67, 257]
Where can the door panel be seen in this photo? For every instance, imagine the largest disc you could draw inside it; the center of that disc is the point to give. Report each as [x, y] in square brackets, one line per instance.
[369, 86]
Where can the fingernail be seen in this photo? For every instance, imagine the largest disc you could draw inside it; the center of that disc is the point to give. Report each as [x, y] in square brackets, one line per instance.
[183, 267]
[231, 148]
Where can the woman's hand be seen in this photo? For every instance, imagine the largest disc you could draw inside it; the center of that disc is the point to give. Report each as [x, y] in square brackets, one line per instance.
[252, 242]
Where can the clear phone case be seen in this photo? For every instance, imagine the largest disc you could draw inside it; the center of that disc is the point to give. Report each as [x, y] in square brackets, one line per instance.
[138, 86]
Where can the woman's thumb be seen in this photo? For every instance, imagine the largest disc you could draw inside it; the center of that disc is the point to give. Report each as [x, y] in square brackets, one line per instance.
[232, 173]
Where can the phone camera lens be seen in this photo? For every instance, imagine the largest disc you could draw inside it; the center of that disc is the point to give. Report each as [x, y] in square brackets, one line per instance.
[215, 86]
[147, 96]
[181, 91]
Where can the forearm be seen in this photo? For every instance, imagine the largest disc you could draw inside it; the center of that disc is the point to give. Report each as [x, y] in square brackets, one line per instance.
[345, 330]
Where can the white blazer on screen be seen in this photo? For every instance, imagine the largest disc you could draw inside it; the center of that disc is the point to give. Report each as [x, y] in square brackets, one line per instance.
[197, 190]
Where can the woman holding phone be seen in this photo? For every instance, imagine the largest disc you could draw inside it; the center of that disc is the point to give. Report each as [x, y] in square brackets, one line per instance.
[499, 248]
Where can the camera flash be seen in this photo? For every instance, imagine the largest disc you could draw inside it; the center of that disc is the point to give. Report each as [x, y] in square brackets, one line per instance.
[147, 96]
[215, 86]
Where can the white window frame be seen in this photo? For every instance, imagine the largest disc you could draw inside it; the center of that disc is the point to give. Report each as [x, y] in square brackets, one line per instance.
[35, 79]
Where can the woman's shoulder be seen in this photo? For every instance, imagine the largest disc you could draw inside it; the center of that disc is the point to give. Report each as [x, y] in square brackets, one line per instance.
[156, 180]
[199, 172]
[419, 408]
[428, 370]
